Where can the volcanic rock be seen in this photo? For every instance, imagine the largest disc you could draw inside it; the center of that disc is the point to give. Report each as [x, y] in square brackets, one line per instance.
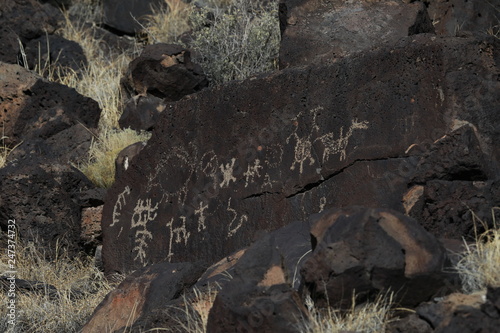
[323, 31]
[254, 155]
[372, 251]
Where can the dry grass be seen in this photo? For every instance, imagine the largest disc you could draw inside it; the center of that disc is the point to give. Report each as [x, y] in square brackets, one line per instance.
[196, 310]
[80, 288]
[100, 79]
[366, 318]
[100, 167]
[479, 266]
[168, 22]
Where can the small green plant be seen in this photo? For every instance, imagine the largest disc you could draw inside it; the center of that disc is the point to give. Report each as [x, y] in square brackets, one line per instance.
[479, 265]
[100, 167]
[371, 317]
[236, 41]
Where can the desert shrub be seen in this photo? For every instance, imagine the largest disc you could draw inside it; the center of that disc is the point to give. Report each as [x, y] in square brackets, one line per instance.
[236, 41]
[479, 265]
[100, 166]
[80, 288]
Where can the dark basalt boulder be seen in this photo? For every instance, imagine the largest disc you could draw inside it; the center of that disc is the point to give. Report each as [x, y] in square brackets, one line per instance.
[132, 306]
[370, 252]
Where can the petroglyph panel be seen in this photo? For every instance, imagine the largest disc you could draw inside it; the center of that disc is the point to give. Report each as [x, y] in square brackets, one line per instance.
[144, 213]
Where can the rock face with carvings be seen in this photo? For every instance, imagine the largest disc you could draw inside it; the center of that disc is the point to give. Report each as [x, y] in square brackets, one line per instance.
[255, 155]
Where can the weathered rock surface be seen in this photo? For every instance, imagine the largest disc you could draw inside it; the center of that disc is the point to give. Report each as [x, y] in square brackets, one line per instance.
[454, 179]
[24, 20]
[372, 251]
[52, 52]
[323, 31]
[140, 296]
[44, 114]
[455, 16]
[258, 154]
[91, 227]
[260, 297]
[122, 15]
[45, 198]
[464, 313]
[142, 113]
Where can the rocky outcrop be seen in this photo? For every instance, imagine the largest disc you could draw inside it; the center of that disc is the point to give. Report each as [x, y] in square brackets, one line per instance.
[54, 53]
[45, 199]
[454, 17]
[371, 252]
[141, 296]
[258, 154]
[24, 20]
[126, 16]
[34, 109]
[464, 313]
[162, 73]
[260, 296]
[319, 32]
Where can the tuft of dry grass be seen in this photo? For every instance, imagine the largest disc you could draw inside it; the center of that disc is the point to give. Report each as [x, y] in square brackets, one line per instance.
[479, 265]
[371, 317]
[80, 288]
[100, 167]
[168, 22]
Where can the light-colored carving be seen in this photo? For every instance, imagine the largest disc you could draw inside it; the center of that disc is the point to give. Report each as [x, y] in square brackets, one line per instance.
[232, 229]
[252, 172]
[322, 203]
[267, 181]
[335, 146]
[303, 147]
[227, 173]
[120, 202]
[200, 211]
[144, 213]
[181, 233]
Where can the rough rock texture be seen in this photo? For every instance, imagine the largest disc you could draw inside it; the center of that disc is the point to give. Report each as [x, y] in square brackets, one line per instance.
[409, 324]
[91, 227]
[122, 15]
[260, 297]
[454, 179]
[44, 114]
[52, 52]
[141, 295]
[455, 16]
[45, 198]
[142, 114]
[464, 313]
[322, 31]
[26, 20]
[165, 71]
[369, 251]
[258, 154]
